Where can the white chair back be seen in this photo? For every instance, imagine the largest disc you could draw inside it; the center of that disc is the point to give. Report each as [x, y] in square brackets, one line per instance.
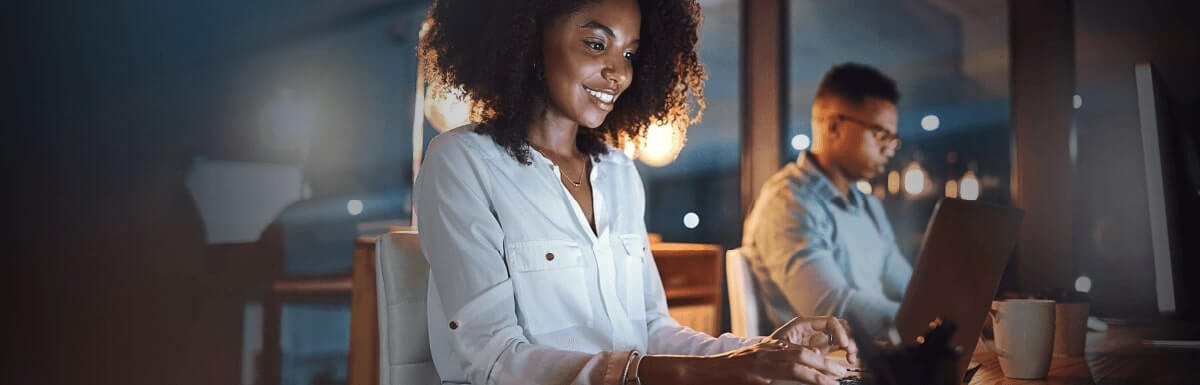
[743, 295]
[402, 279]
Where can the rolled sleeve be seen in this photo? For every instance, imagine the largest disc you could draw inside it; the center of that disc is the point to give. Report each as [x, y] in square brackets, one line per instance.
[463, 241]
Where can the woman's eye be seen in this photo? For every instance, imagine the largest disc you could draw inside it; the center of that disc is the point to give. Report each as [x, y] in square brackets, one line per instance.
[629, 56]
[595, 46]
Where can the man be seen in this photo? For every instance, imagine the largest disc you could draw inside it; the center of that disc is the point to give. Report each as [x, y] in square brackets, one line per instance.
[816, 245]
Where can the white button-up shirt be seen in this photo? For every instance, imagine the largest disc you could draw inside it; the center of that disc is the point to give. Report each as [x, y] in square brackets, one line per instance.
[533, 295]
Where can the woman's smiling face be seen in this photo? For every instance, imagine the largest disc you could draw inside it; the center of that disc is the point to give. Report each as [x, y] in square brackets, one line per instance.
[587, 60]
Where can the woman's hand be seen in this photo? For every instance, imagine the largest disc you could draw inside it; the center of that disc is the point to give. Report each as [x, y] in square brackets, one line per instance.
[757, 364]
[825, 334]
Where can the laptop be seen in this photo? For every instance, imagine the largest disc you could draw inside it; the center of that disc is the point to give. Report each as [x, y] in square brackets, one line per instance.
[966, 247]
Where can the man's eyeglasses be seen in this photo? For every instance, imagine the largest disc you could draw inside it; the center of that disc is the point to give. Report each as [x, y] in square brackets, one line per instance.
[882, 135]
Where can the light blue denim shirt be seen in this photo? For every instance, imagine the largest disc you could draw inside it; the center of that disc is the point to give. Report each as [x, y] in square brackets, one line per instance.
[815, 252]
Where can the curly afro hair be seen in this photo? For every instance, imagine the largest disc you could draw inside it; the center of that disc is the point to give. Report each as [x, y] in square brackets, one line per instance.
[489, 49]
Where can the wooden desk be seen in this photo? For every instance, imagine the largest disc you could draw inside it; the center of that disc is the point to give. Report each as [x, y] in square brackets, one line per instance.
[1115, 357]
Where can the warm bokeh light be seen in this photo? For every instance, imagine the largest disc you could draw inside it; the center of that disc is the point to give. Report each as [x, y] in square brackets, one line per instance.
[893, 182]
[446, 110]
[968, 189]
[354, 207]
[691, 220]
[952, 188]
[662, 144]
[930, 122]
[863, 186]
[801, 142]
[914, 179]
[629, 147]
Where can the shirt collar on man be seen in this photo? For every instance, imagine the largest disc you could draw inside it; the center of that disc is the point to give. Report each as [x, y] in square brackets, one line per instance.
[821, 185]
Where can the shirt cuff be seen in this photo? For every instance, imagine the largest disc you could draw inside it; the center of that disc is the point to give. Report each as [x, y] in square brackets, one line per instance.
[615, 367]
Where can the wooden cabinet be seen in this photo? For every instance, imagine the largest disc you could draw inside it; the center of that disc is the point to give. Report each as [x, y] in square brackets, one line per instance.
[363, 367]
[691, 275]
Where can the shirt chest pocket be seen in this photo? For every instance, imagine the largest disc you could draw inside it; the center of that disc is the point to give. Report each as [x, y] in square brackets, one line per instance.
[549, 285]
[632, 257]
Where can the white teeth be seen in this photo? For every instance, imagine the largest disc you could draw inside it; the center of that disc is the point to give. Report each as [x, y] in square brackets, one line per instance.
[604, 97]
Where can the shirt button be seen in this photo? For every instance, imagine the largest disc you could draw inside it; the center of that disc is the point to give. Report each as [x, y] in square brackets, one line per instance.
[453, 325]
[549, 256]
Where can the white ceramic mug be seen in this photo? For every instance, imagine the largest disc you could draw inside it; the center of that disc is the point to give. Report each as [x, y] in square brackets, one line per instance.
[1024, 336]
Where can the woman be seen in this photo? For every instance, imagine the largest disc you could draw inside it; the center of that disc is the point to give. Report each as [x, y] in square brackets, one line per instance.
[533, 226]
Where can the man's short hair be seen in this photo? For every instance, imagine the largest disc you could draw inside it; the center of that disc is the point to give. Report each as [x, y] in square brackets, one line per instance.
[855, 82]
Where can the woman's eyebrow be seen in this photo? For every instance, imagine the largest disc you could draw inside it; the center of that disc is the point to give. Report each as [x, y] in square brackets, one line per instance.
[594, 25]
[603, 28]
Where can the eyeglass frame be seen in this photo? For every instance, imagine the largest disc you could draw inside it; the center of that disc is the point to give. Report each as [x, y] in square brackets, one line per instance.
[882, 135]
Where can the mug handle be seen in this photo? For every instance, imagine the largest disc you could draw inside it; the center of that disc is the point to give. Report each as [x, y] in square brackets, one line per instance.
[987, 335]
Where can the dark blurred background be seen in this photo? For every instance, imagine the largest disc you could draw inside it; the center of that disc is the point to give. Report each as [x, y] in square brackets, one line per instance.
[162, 159]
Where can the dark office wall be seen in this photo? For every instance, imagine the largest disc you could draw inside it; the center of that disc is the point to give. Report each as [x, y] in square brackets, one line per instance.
[105, 105]
[1113, 233]
[96, 205]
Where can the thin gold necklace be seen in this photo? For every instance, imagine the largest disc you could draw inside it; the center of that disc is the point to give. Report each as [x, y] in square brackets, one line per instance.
[573, 183]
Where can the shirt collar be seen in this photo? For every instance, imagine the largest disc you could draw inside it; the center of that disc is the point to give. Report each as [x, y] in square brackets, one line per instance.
[598, 166]
[820, 184]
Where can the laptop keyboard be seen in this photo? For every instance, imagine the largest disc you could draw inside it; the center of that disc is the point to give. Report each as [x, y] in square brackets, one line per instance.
[852, 380]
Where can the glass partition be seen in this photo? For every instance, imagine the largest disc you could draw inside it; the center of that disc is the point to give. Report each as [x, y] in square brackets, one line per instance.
[694, 198]
[950, 62]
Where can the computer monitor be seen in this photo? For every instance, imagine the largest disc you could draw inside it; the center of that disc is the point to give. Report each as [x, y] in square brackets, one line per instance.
[1172, 172]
